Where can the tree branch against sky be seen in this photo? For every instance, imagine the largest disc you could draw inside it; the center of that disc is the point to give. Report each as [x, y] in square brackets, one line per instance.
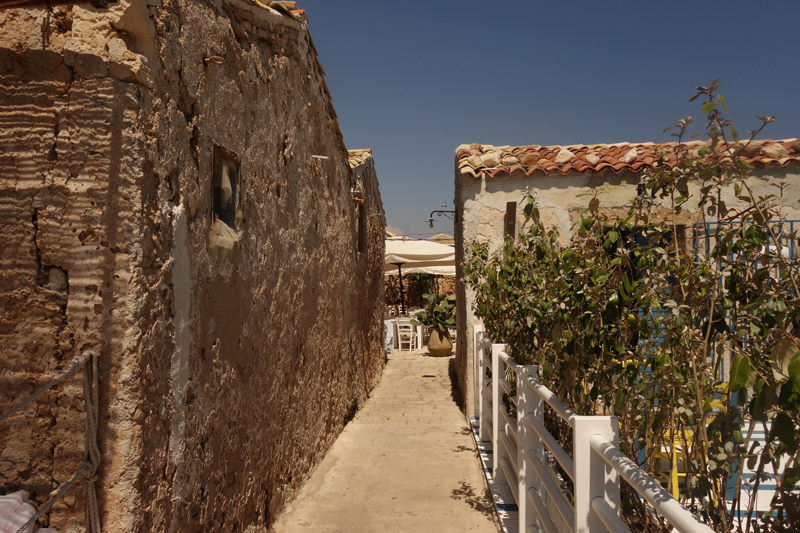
[413, 80]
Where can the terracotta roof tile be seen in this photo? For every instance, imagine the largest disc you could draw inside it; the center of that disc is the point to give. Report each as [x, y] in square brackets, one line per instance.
[598, 158]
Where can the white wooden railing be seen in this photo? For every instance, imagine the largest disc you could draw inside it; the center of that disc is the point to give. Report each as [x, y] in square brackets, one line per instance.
[595, 463]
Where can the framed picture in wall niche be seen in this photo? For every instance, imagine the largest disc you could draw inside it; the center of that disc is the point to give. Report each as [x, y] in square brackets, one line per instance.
[226, 184]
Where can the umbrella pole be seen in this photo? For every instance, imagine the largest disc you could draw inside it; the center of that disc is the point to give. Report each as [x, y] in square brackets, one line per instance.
[402, 297]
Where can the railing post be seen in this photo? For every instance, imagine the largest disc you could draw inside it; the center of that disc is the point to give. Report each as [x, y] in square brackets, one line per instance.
[477, 363]
[498, 451]
[529, 404]
[594, 478]
[484, 431]
[485, 392]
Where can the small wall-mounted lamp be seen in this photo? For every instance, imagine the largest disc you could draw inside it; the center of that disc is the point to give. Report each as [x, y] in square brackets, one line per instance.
[447, 214]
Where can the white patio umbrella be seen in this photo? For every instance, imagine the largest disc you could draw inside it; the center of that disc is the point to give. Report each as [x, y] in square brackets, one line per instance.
[437, 271]
[418, 256]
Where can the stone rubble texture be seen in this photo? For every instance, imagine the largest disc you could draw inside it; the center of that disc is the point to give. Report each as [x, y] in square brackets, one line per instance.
[775, 151]
[225, 375]
[563, 156]
[629, 156]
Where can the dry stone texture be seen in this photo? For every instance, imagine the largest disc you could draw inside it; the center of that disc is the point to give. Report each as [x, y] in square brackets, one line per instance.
[225, 374]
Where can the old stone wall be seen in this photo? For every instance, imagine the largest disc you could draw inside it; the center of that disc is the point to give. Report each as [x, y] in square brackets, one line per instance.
[464, 315]
[481, 203]
[70, 214]
[230, 359]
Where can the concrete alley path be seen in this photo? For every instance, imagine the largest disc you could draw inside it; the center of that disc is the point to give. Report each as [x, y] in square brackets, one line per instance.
[405, 463]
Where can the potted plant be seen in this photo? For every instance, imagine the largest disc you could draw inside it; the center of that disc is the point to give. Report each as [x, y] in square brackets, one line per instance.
[440, 316]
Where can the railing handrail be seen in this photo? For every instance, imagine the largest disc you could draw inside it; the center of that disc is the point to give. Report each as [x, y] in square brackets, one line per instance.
[507, 359]
[519, 454]
[662, 501]
[553, 401]
[562, 505]
[609, 516]
[555, 448]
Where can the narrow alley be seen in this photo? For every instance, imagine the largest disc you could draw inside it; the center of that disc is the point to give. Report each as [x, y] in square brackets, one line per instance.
[406, 462]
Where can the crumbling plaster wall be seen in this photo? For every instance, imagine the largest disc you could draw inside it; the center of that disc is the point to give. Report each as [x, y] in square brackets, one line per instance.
[482, 202]
[225, 374]
[69, 211]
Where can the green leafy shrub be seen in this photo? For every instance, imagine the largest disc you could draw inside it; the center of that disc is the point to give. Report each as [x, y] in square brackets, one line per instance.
[628, 319]
[439, 313]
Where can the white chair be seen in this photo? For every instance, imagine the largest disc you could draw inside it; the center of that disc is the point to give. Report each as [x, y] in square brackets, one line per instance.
[388, 329]
[406, 333]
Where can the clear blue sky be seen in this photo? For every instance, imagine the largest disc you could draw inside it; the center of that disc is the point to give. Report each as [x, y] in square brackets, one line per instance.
[413, 80]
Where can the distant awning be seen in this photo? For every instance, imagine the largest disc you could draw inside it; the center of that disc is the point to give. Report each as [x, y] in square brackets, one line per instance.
[438, 271]
[419, 256]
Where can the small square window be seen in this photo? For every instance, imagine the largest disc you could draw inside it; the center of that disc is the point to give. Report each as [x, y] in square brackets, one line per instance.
[226, 186]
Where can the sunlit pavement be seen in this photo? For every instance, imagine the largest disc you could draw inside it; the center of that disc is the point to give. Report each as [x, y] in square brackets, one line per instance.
[406, 462]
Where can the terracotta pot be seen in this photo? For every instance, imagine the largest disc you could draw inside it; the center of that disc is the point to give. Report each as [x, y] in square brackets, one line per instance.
[439, 345]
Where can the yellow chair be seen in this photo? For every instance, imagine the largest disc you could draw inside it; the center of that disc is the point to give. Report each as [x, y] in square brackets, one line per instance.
[677, 445]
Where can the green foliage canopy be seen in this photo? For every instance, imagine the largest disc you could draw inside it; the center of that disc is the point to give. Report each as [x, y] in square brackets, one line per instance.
[688, 347]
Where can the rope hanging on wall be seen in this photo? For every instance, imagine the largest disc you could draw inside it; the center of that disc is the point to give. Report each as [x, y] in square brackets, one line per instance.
[91, 460]
[69, 371]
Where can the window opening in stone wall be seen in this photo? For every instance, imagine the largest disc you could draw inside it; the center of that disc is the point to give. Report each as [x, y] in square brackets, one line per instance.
[510, 221]
[225, 186]
[362, 229]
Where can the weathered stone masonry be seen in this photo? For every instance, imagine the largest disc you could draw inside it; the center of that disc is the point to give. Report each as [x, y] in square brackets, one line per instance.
[225, 373]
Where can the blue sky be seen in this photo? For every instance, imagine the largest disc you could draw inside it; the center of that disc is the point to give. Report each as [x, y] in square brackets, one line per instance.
[413, 80]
